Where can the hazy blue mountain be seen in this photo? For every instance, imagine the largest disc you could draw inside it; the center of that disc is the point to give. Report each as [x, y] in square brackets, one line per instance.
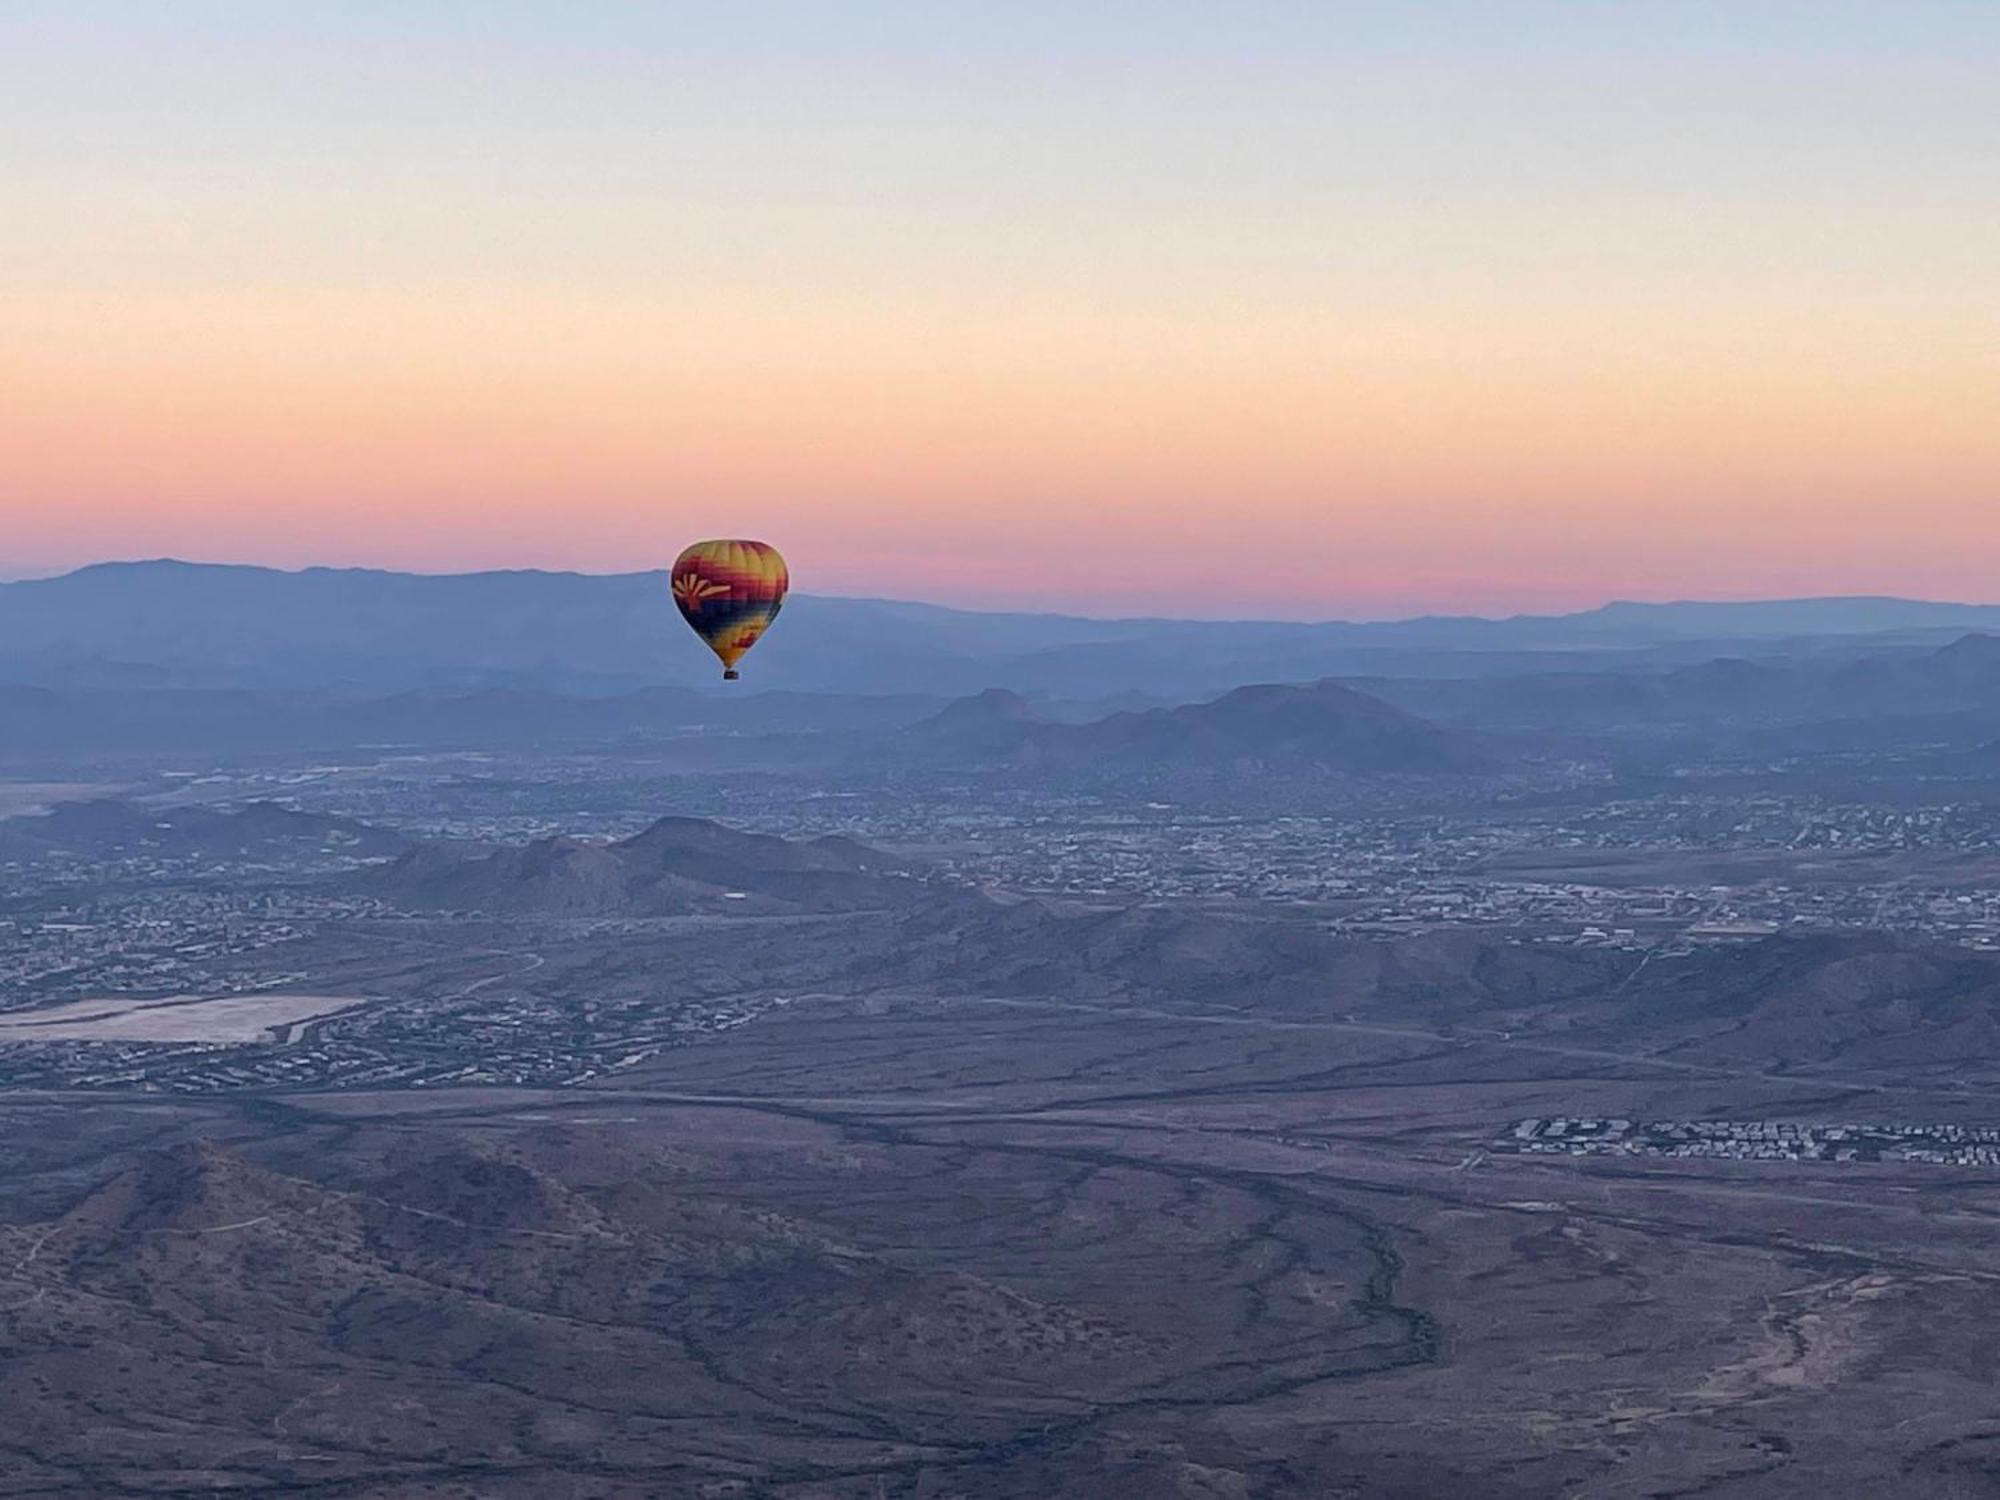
[1320, 726]
[1858, 615]
[993, 725]
[1916, 697]
[1965, 674]
[125, 627]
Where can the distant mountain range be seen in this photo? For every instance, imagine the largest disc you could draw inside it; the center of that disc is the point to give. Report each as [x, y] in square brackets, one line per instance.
[1317, 726]
[1321, 726]
[142, 661]
[365, 633]
[1853, 701]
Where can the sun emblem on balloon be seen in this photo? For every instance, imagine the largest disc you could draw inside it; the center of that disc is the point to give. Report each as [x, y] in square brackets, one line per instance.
[693, 590]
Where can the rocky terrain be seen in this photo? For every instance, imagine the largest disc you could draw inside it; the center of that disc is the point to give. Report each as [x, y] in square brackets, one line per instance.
[677, 866]
[1012, 1198]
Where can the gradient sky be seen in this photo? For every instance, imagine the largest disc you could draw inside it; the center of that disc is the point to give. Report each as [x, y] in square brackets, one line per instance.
[1245, 307]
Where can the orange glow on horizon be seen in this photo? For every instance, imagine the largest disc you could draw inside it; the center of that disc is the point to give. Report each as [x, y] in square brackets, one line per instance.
[1395, 470]
[1460, 306]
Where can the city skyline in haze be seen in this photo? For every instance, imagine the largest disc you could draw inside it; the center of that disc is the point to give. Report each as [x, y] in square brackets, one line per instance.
[1273, 310]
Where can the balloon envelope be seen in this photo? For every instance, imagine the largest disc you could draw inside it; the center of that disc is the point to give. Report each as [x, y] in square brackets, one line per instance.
[730, 592]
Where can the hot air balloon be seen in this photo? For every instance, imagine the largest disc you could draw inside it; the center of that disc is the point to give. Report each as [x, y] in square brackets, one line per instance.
[730, 592]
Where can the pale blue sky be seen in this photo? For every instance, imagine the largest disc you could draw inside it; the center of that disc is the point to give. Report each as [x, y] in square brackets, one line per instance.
[1505, 260]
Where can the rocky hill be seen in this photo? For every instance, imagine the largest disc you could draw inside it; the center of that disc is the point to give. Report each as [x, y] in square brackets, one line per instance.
[1320, 726]
[677, 866]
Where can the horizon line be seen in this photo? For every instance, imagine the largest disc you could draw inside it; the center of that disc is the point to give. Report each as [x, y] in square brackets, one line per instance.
[8, 577]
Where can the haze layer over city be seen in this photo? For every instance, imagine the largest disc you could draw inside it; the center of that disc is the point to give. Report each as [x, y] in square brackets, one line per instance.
[1329, 830]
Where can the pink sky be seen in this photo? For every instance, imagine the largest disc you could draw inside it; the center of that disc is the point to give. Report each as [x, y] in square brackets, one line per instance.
[1442, 325]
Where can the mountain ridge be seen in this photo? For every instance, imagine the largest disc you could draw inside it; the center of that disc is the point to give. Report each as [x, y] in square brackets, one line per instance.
[676, 866]
[1323, 726]
[169, 622]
